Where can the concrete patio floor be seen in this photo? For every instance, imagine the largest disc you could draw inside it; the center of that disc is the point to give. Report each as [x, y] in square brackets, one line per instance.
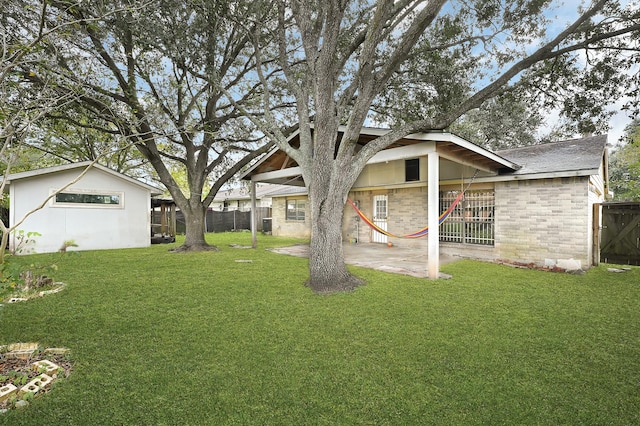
[397, 260]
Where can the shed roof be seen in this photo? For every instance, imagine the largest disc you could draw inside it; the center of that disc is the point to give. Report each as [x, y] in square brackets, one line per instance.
[575, 156]
[72, 166]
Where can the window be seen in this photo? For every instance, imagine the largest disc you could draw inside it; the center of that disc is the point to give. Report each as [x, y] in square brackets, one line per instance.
[296, 209]
[472, 220]
[89, 199]
[412, 169]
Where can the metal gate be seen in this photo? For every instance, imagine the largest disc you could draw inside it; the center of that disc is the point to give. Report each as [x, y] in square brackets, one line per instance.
[620, 233]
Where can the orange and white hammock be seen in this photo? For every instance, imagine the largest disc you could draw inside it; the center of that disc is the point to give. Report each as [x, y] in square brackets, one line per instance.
[418, 234]
[422, 232]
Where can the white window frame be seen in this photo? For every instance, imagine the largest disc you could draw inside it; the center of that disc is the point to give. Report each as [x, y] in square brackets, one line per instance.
[62, 204]
[297, 209]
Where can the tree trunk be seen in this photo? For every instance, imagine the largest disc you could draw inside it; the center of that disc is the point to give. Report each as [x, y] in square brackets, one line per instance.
[194, 238]
[328, 273]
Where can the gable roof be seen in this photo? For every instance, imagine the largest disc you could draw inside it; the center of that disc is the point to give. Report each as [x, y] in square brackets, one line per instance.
[72, 166]
[277, 167]
[574, 157]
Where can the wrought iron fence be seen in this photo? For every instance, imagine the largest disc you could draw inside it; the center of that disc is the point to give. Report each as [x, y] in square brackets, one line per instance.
[472, 220]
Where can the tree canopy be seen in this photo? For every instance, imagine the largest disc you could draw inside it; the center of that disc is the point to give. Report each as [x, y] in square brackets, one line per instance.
[624, 167]
[155, 73]
[500, 123]
[22, 110]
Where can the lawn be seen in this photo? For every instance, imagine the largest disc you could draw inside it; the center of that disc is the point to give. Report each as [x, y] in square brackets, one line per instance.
[193, 339]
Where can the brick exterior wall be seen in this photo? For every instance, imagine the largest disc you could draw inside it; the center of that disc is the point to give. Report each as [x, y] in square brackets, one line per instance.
[288, 228]
[407, 213]
[543, 220]
[537, 221]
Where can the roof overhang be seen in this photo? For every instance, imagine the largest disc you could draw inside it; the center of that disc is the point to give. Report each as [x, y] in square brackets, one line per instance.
[73, 166]
[277, 167]
[533, 176]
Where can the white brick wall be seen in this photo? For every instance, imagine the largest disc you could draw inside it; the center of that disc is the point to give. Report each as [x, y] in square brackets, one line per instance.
[289, 228]
[537, 220]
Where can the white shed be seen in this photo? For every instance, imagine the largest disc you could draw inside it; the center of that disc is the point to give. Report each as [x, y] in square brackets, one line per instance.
[103, 210]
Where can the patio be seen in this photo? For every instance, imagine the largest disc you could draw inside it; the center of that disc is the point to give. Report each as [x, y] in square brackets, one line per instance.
[395, 259]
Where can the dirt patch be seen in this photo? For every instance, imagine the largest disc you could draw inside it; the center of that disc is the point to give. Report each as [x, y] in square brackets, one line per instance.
[193, 248]
[531, 265]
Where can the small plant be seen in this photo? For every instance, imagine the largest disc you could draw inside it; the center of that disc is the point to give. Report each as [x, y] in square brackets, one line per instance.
[28, 396]
[24, 240]
[60, 372]
[15, 276]
[66, 244]
[19, 379]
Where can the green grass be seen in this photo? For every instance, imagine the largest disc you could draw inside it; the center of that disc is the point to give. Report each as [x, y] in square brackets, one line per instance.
[192, 339]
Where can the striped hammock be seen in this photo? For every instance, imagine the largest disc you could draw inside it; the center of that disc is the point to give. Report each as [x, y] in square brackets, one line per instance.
[421, 233]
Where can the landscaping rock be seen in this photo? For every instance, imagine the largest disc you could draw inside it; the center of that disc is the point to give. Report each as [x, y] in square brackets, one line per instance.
[45, 366]
[31, 346]
[22, 404]
[7, 391]
[56, 351]
[21, 350]
[32, 370]
[41, 382]
[53, 291]
[618, 270]
[569, 265]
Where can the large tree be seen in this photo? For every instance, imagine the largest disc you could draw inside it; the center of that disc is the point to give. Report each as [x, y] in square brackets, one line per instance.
[156, 73]
[500, 123]
[58, 143]
[624, 167]
[347, 62]
[23, 110]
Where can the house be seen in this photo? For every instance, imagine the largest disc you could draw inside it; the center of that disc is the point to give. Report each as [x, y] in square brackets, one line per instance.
[240, 198]
[102, 210]
[538, 204]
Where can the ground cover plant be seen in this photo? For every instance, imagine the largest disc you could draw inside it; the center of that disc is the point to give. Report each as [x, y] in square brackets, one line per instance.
[233, 337]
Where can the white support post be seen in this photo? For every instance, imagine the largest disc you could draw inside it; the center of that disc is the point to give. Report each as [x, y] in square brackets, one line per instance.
[433, 189]
[254, 238]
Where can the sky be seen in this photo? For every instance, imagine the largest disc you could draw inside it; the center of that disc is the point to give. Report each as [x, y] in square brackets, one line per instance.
[567, 13]
[618, 123]
[560, 14]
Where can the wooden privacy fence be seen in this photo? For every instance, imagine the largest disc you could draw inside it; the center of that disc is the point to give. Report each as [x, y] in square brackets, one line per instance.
[620, 240]
[226, 221]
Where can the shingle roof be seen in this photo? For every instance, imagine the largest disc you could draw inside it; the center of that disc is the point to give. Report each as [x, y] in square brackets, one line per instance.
[572, 155]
